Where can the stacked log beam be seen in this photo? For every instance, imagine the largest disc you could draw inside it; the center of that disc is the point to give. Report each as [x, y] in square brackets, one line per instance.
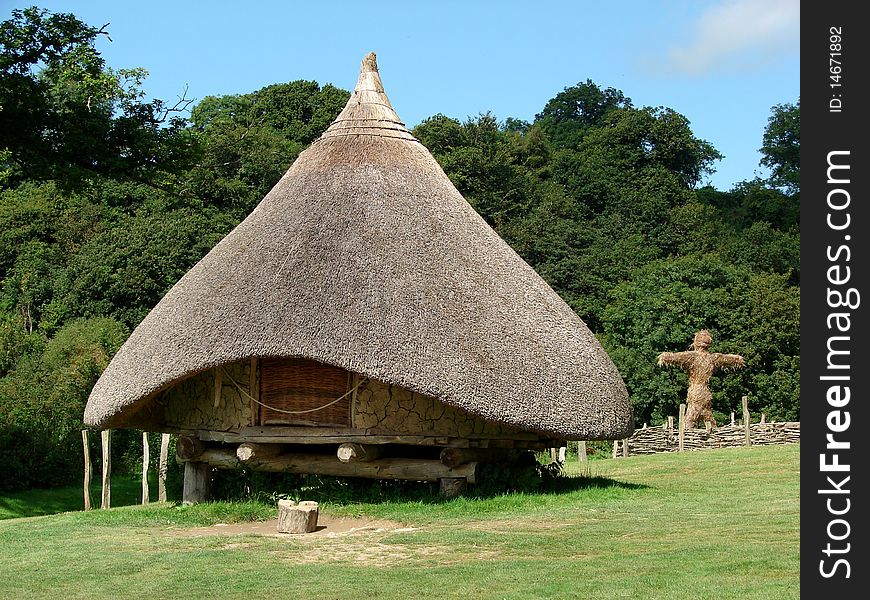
[384, 468]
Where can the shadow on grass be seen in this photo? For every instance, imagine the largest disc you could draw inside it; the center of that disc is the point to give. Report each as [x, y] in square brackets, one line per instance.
[350, 491]
[563, 485]
[234, 487]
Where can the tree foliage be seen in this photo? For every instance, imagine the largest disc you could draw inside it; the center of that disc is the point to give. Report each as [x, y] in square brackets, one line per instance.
[64, 115]
[782, 146]
[577, 109]
[247, 141]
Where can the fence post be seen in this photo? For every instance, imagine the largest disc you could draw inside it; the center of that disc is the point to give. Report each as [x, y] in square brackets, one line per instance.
[682, 425]
[615, 448]
[162, 467]
[581, 451]
[106, 439]
[87, 486]
[732, 418]
[146, 458]
[625, 448]
[746, 440]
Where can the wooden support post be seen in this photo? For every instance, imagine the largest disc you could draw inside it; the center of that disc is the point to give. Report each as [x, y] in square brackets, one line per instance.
[163, 467]
[763, 419]
[297, 518]
[625, 448]
[581, 451]
[218, 385]
[354, 385]
[254, 391]
[615, 448]
[146, 458]
[87, 486]
[451, 487]
[682, 426]
[197, 477]
[671, 422]
[732, 418]
[106, 439]
[249, 451]
[747, 441]
[351, 452]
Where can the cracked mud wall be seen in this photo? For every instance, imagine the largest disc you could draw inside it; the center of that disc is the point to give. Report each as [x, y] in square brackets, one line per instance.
[382, 408]
[190, 404]
[379, 408]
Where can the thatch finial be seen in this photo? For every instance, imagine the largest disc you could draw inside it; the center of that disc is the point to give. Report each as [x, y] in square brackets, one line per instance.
[369, 80]
[370, 62]
[368, 111]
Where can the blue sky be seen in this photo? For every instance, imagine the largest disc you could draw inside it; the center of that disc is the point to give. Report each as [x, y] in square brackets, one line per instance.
[721, 63]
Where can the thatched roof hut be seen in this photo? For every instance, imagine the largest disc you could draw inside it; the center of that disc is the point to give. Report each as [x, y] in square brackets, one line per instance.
[365, 257]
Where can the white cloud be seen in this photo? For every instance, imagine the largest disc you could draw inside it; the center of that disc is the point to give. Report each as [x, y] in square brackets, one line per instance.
[738, 33]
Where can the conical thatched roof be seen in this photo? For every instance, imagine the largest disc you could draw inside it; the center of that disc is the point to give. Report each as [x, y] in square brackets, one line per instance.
[366, 257]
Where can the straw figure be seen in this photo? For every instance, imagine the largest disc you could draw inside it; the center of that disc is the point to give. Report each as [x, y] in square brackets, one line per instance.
[700, 365]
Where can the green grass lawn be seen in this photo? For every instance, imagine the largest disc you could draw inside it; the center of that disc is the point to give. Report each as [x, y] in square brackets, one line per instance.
[709, 524]
[34, 503]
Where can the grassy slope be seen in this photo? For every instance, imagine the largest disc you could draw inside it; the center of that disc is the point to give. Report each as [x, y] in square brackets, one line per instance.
[712, 524]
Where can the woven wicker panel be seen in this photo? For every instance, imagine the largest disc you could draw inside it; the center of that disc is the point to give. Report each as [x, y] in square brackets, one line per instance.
[298, 384]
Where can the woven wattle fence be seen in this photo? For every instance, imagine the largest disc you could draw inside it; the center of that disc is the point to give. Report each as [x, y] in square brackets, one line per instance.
[651, 440]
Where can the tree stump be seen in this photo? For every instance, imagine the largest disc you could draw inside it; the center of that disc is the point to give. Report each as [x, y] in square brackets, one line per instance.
[297, 518]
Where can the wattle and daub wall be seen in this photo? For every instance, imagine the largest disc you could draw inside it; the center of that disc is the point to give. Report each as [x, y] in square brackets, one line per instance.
[225, 399]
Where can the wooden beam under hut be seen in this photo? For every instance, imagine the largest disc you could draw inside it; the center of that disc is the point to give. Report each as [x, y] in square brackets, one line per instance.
[453, 457]
[188, 447]
[251, 452]
[323, 464]
[278, 434]
[352, 452]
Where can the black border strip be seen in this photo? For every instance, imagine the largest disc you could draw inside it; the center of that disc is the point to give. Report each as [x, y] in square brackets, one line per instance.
[834, 230]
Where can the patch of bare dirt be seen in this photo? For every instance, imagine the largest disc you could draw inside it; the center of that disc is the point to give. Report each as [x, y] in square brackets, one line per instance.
[327, 526]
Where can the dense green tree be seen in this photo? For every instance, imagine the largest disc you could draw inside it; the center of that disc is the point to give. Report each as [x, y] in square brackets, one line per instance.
[632, 140]
[64, 115]
[124, 270]
[248, 141]
[666, 301]
[42, 400]
[486, 163]
[41, 227]
[781, 146]
[572, 112]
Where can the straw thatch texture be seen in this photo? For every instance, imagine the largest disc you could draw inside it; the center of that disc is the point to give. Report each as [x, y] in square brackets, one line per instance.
[366, 257]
